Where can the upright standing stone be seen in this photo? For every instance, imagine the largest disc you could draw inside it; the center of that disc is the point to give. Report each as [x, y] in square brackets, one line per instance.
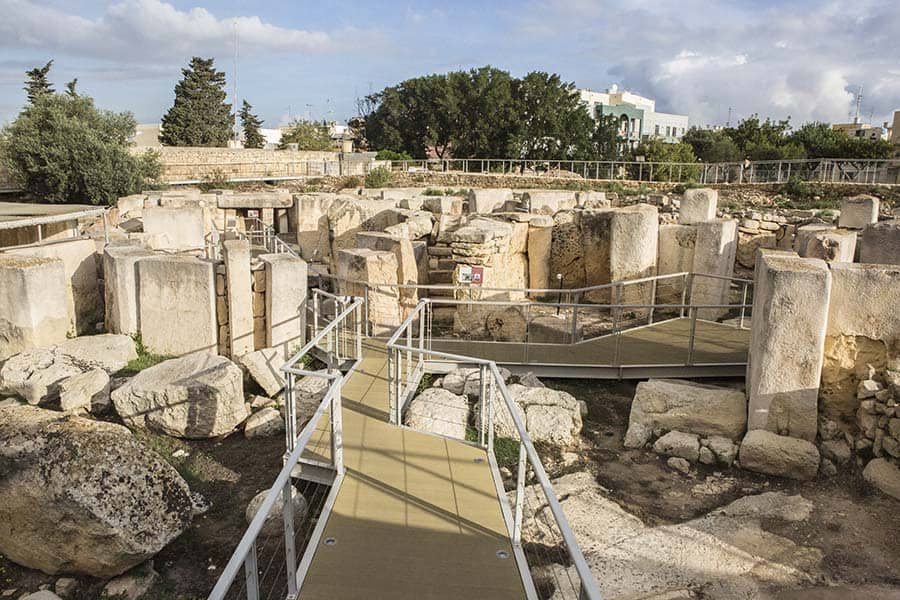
[34, 309]
[676, 248]
[488, 200]
[175, 228]
[79, 257]
[858, 212]
[120, 283]
[698, 206]
[372, 267]
[634, 235]
[407, 269]
[286, 286]
[240, 295]
[880, 243]
[713, 255]
[177, 305]
[790, 312]
[540, 237]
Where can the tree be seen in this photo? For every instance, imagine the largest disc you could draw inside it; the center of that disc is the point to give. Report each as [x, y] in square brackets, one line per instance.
[250, 124]
[63, 149]
[712, 145]
[607, 138]
[655, 150]
[200, 116]
[485, 112]
[307, 135]
[37, 84]
[70, 88]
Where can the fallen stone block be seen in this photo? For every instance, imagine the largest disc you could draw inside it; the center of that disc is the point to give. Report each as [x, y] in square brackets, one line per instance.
[858, 212]
[880, 243]
[264, 367]
[439, 411]
[698, 206]
[264, 423]
[680, 444]
[772, 454]
[87, 391]
[883, 475]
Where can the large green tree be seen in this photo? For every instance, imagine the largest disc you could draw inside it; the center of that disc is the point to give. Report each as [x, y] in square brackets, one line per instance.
[36, 83]
[607, 138]
[200, 116]
[712, 145]
[553, 123]
[63, 149]
[250, 124]
[308, 135]
[486, 112]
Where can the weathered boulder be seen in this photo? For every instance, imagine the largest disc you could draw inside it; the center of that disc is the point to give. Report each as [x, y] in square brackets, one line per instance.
[550, 416]
[134, 584]
[196, 396]
[274, 523]
[766, 452]
[308, 394]
[264, 423]
[87, 391]
[83, 496]
[264, 367]
[723, 448]
[883, 475]
[439, 411]
[672, 404]
[680, 444]
[467, 381]
[37, 374]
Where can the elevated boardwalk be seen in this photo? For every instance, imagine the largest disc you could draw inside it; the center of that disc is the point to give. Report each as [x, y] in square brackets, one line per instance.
[416, 515]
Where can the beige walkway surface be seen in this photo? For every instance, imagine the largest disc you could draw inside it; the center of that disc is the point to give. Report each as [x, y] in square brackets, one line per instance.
[663, 343]
[416, 516]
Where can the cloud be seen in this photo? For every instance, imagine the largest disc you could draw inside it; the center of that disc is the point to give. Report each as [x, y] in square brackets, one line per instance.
[801, 59]
[149, 30]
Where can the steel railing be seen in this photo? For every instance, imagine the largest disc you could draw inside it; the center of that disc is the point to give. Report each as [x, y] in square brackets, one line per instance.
[256, 582]
[262, 234]
[814, 170]
[532, 556]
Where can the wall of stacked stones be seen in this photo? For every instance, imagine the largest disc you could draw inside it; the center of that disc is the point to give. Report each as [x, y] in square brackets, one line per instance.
[187, 163]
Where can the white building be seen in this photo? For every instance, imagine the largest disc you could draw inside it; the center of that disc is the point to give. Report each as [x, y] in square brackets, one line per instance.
[640, 120]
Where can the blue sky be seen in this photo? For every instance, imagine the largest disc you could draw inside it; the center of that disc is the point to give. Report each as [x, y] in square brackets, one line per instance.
[803, 59]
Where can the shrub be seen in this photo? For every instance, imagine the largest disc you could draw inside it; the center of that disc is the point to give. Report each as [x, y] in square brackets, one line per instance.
[63, 149]
[380, 177]
[433, 192]
[797, 188]
[354, 181]
[392, 155]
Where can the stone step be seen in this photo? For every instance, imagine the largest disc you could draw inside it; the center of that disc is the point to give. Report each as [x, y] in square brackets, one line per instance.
[441, 276]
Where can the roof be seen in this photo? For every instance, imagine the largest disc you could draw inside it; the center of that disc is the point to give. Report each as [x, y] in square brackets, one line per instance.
[25, 214]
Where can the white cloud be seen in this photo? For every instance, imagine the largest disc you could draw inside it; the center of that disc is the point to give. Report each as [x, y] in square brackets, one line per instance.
[801, 59]
[147, 30]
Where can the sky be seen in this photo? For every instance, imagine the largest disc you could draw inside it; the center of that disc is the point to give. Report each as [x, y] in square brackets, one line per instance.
[310, 59]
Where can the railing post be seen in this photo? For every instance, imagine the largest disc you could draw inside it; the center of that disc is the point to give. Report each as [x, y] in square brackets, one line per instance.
[315, 313]
[358, 313]
[743, 305]
[491, 398]
[520, 496]
[290, 552]
[482, 397]
[577, 299]
[688, 282]
[690, 357]
[251, 573]
[652, 301]
[337, 429]
[616, 311]
[392, 400]
[398, 383]
[290, 420]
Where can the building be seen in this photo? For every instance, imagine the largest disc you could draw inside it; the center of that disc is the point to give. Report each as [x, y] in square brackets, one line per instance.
[638, 116]
[863, 130]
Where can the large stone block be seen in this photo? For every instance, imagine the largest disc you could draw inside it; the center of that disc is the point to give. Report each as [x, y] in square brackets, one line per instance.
[240, 295]
[286, 287]
[698, 206]
[807, 232]
[175, 228]
[781, 456]
[257, 200]
[484, 201]
[676, 248]
[311, 219]
[177, 305]
[361, 271]
[407, 269]
[863, 328]
[540, 239]
[548, 202]
[858, 212]
[832, 246]
[676, 405]
[120, 287]
[84, 299]
[880, 243]
[34, 308]
[790, 312]
[713, 255]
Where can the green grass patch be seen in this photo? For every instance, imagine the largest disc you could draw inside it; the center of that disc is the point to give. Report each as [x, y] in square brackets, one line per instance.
[145, 359]
[506, 450]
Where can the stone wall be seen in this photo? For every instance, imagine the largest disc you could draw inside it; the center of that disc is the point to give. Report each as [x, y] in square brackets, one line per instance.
[180, 164]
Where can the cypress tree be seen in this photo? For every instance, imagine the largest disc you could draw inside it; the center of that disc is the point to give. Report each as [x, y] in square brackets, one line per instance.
[250, 124]
[37, 83]
[200, 116]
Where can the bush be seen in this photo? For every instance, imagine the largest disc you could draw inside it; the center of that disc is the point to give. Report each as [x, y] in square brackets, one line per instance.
[392, 155]
[353, 181]
[63, 149]
[797, 188]
[380, 177]
[433, 192]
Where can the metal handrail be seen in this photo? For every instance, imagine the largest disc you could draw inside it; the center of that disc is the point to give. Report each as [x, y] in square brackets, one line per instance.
[267, 235]
[589, 588]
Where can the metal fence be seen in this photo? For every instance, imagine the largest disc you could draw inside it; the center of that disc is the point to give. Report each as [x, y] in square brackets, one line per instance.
[263, 235]
[552, 565]
[272, 564]
[824, 170]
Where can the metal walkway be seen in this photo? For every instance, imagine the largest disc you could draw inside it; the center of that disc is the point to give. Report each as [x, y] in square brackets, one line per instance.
[417, 515]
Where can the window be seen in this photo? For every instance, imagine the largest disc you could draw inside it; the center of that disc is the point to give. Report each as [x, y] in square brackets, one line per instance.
[656, 132]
